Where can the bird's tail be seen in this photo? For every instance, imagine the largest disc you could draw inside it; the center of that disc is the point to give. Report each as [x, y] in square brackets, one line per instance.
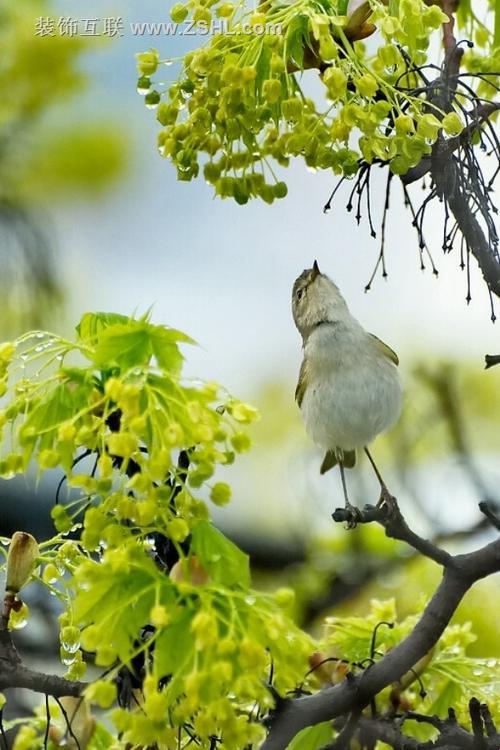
[333, 457]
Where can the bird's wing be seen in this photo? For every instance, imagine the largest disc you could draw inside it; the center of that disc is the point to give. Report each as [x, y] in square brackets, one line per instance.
[385, 350]
[302, 384]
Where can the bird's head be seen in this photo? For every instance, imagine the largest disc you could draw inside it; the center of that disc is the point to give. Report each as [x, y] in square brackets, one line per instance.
[316, 300]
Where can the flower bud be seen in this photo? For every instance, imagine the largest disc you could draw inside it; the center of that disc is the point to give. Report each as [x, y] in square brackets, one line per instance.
[23, 552]
[271, 90]
[179, 12]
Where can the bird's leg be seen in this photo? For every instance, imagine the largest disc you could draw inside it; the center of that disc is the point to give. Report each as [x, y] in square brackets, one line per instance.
[353, 511]
[385, 496]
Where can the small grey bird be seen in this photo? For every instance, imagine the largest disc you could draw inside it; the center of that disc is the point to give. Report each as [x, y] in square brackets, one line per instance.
[349, 388]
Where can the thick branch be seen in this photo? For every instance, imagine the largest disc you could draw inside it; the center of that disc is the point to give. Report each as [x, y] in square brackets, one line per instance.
[449, 41]
[13, 674]
[39, 682]
[355, 693]
[446, 175]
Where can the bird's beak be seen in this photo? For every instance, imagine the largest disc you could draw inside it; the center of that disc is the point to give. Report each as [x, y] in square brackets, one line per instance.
[315, 270]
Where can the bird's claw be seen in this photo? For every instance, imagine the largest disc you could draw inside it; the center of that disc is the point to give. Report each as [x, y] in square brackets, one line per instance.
[349, 513]
[387, 501]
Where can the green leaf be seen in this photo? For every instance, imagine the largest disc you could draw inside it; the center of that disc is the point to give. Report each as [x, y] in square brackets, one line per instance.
[312, 738]
[127, 345]
[91, 324]
[225, 562]
[296, 38]
[174, 648]
[89, 603]
[449, 696]
[45, 416]
[262, 67]
[119, 603]
[164, 345]
[101, 739]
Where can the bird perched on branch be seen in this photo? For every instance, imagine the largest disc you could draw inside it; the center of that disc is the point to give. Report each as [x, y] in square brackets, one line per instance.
[349, 388]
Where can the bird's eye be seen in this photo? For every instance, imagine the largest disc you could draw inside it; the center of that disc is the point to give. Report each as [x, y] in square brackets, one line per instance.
[300, 292]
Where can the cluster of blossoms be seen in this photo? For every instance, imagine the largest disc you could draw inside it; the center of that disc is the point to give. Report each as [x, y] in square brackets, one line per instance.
[138, 446]
[239, 108]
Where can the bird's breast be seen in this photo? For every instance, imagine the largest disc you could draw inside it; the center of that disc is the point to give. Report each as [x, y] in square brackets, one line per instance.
[352, 395]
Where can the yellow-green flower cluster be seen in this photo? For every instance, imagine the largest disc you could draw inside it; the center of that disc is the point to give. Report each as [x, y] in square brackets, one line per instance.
[238, 105]
[136, 442]
[128, 406]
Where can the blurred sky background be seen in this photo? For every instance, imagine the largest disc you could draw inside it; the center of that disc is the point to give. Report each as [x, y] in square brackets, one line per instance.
[222, 272]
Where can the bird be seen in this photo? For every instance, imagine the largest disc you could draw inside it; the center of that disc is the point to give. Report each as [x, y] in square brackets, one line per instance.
[349, 388]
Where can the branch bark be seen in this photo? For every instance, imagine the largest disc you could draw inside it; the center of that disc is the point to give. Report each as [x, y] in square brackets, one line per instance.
[13, 674]
[452, 736]
[491, 360]
[356, 691]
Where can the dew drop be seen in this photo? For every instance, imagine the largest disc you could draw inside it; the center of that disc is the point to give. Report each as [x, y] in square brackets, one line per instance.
[71, 648]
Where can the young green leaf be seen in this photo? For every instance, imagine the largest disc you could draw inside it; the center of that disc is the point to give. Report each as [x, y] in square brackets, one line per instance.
[223, 560]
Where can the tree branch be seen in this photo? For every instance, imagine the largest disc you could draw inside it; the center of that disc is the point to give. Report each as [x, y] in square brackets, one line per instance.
[13, 674]
[40, 682]
[355, 693]
[449, 41]
[490, 515]
[391, 518]
[452, 736]
[481, 113]
[491, 360]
